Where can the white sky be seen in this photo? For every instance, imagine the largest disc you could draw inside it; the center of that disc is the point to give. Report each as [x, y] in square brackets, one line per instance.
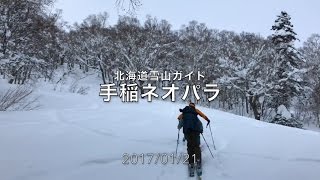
[237, 15]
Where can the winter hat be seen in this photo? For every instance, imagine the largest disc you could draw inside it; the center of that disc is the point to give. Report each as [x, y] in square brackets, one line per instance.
[192, 104]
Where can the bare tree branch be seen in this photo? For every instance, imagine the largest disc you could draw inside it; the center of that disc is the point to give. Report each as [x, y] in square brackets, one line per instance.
[19, 98]
[129, 6]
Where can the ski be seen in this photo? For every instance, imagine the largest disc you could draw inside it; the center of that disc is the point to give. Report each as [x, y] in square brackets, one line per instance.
[199, 171]
[195, 170]
[191, 169]
[199, 176]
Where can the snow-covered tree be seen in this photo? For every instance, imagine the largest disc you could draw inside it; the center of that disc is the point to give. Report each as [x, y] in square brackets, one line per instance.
[287, 79]
[28, 38]
[195, 41]
[311, 52]
[287, 76]
[91, 46]
[247, 70]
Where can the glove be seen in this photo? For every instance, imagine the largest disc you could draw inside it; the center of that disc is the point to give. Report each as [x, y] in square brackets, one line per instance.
[208, 123]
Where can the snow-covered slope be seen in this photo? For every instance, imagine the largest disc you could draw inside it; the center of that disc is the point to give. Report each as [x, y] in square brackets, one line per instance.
[76, 137]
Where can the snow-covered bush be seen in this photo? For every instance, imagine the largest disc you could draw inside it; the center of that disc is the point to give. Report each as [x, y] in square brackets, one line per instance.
[18, 98]
[74, 88]
[285, 118]
[83, 90]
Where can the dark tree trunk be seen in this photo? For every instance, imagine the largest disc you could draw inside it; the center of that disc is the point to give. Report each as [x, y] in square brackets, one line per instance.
[247, 105]
[102, 73]
[255, 105]
[140, 85]
[61, 61]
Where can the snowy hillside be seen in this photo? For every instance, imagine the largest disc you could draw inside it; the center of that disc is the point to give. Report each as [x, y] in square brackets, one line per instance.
[77, 137]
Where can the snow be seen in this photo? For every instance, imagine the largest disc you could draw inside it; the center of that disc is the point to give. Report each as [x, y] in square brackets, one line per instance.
[80, 137]
[283, 111]
[283, 32]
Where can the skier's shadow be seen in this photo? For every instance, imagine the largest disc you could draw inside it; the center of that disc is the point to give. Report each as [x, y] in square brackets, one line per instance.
[100, 161]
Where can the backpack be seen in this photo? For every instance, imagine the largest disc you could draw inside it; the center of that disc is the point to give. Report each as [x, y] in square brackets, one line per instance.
[191, 121]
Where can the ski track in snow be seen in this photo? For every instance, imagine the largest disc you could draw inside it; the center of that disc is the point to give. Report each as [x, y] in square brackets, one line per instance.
[101, 161]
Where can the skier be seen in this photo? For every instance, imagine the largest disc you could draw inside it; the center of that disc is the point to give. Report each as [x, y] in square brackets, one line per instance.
[192, 127]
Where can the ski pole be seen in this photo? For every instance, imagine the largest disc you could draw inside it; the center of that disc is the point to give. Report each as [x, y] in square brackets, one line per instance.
[207, 145]
[177, 142]
[214, 147]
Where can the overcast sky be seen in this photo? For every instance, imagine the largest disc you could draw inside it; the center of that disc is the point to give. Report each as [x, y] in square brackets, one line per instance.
[237, 15]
